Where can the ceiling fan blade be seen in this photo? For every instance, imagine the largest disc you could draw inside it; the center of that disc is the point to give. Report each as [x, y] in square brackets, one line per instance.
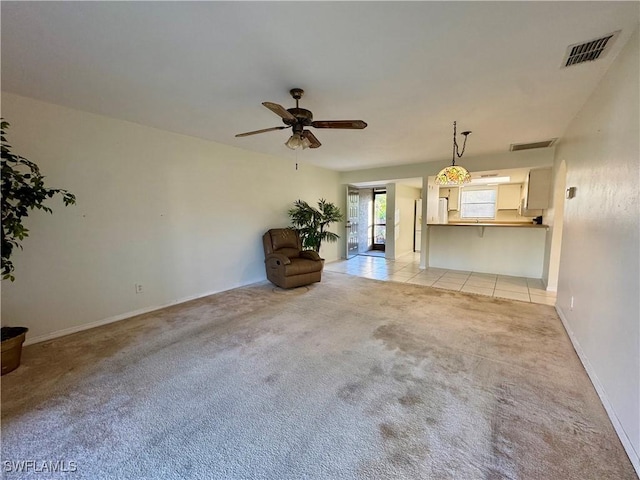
[315, 143]
[357, 124]
[246, 134]
[279, 110]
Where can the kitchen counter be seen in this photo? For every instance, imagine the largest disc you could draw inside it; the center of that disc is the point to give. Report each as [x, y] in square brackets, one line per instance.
[488, 224]
[513, 248]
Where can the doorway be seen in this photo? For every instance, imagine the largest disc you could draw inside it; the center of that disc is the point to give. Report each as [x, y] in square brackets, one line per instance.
[353, 207]
[379, 231]
[417, 224]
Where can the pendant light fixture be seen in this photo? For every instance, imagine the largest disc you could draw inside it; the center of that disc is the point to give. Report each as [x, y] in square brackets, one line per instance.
[455, 174]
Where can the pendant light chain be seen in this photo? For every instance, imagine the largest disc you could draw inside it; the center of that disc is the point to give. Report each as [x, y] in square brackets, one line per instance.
[456, 148]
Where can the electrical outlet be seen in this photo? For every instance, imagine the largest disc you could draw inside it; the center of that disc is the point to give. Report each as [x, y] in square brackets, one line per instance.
[138, 288]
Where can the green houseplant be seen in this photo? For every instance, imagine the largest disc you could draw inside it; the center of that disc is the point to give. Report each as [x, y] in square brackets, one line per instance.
[312, 223]
[22, 191]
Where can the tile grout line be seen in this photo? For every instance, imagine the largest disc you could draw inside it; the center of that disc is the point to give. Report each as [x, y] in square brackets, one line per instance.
[367, 269]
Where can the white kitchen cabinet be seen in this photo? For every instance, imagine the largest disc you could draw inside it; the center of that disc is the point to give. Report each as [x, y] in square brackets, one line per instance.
[536, 192]
[509, 196]
[454, 198]
[453, 195]
[539, 189]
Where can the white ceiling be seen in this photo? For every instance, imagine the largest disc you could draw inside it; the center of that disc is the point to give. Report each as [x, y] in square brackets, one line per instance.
[408, 69]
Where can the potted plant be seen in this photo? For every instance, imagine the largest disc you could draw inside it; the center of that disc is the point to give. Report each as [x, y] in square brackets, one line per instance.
[22, 190]
[12, 340]
[312, 223]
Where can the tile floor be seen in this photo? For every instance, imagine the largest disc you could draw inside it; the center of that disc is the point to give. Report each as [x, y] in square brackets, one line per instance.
[407, 269]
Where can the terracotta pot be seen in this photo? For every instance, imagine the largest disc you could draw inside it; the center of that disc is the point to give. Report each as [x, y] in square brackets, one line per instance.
[12, 347]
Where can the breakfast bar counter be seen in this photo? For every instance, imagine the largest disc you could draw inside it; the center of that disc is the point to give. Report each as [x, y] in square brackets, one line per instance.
[505, 248]
[489, 224]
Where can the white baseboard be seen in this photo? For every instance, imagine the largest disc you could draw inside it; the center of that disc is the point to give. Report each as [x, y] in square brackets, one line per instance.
[624, 438]
[116, 318]
[547, 288]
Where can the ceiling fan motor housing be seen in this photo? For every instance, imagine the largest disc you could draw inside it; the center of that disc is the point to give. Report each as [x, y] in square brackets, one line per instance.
[303, 117]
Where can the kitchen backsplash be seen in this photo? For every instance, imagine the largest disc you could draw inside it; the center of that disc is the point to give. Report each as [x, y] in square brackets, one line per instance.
[501, 216]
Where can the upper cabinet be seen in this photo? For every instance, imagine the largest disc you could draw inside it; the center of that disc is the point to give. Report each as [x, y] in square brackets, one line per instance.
[509, 196]
[538, 189]
[536, 192]
[453, 195]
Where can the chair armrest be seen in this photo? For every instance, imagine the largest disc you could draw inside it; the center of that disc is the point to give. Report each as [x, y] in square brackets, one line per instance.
[276, 259]
[310, 254]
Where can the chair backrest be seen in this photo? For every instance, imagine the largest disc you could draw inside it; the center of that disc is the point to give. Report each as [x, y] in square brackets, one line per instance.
[282, 240]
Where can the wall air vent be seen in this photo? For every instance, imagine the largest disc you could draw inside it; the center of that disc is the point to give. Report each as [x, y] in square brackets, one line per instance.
[588, 51]
[528, 146]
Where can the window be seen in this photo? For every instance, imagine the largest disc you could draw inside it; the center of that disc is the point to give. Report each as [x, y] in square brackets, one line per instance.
[478, 202]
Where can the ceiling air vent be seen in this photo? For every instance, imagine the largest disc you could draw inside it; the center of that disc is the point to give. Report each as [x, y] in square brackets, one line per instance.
[588, 51]
[528, 146]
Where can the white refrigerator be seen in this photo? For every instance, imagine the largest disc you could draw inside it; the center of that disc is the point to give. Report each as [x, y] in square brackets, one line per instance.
[443, 210]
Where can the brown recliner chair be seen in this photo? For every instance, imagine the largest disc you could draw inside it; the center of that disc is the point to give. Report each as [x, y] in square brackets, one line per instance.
[287, 265]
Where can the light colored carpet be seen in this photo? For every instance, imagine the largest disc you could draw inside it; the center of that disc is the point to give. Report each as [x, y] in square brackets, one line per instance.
[351, 378]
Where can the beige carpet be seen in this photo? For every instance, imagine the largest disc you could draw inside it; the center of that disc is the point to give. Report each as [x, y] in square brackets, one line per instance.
[351, 378]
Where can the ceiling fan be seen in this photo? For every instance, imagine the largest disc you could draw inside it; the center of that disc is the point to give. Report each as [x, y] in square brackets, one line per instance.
[297, 118]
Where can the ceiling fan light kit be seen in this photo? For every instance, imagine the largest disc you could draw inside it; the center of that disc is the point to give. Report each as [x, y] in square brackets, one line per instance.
[296, 141]
[455, 174]
[297, 118]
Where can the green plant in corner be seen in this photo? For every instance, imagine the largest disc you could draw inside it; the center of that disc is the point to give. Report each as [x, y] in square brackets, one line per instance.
[312, 223]
[22, 190]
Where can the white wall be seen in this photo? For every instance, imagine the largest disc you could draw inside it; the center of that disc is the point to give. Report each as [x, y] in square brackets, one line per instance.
[554, 218]
[599, 264]
[540, 157]
[405, 205]
[180, 215]
[390, 230]
[430, 195]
